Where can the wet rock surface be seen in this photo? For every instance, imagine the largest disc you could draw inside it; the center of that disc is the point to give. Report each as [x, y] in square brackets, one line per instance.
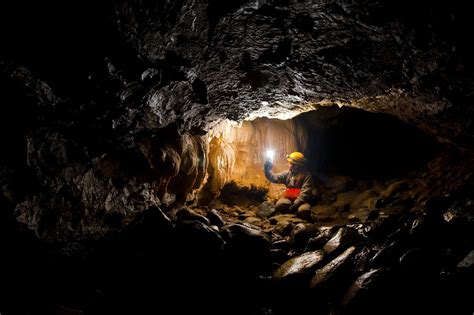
[399, 268]
[116, 189]
[164, 75]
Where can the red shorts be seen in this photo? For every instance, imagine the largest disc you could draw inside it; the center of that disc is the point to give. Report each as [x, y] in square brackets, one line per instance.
[291, 193]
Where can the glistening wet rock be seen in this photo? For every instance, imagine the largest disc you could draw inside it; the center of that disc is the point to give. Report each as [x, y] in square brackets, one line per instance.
[362, 290]
[300, 266]
[214, 217]
[325, 274]
[344, 237]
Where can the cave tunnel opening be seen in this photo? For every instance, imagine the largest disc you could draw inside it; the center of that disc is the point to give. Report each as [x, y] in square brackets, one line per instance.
[373, 173]
[348, 143]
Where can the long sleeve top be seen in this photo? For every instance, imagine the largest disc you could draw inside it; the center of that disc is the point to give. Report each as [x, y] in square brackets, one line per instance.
[301, 180]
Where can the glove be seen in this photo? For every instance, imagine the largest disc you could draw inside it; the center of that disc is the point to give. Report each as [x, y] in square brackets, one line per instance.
[268, 165]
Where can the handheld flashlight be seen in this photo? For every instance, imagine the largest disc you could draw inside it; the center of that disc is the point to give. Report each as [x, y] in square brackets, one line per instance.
[270, 154]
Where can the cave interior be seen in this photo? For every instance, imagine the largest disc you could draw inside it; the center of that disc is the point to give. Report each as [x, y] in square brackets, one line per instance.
[134, 135]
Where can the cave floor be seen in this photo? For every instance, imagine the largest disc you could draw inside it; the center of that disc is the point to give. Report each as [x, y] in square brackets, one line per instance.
[248, 215]
[343, 201]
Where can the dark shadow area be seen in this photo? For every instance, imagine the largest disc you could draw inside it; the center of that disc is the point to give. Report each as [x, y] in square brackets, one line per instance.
[360, 144]
[64, 43]
[233, 194]
[150, 268]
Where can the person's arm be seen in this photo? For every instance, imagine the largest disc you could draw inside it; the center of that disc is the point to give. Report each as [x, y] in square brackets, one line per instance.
[306, 193]
[279, 178]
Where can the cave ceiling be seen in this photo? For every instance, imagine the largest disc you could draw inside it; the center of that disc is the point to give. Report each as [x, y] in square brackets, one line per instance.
[279, 58]
[128, 68]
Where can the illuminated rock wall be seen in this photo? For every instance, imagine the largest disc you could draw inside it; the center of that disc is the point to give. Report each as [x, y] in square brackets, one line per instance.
[237, 153]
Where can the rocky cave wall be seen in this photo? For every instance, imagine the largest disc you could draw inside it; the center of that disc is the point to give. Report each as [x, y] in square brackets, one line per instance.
[112, 116]
[97, 122]
[336, 141]
[249, 142]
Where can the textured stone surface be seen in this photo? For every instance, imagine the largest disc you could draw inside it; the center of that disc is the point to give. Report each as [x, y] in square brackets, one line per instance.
[133, 87]
[329, 271]
[265, 58]
[299, 265]
[113, 114]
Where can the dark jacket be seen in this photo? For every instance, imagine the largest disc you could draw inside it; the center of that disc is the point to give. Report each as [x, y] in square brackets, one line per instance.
[302, 180]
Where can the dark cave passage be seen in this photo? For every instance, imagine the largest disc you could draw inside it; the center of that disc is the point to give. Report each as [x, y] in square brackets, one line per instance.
[336, 141]
[352, 142]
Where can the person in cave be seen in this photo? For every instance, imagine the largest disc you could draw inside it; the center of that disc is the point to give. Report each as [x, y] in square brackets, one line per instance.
[299, 185]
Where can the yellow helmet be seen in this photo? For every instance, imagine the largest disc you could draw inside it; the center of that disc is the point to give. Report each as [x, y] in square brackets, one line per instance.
[296, 158]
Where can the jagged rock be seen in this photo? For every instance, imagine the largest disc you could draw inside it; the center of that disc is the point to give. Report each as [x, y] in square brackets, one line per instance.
[265, 210]
[319, 210]
[362, 287]
[247, 215]
[366, 199]
[344, 201]
[278, 256]
[352, 218]
[373, 215]
[186, 214]
[427, 229]
[330, 270]
[395, 211]
[198, 236]
[299, 265]
[248, 248]
[280, 244]
[241, 235]
[304, 214]
[283, 227]
[387, 255]
[252, 220]
[361, 260]
[467, 264]
[148, 226]
[461, 212]
[413, 259]
[324, 235]
[132, 94]
[344, 237]
[394, 189]
[361, 215]
[215, 218]
[301, 234]
[285, 217]
[151, 76]
[94, 207]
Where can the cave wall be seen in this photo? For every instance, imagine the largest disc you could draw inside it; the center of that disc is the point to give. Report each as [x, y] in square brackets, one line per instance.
[88, 86]
[194, 63]
[336, 141]
[252, 140]
[273, 58]
[77, 200]
[221, 164]
[107, 110]
[246, 145]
